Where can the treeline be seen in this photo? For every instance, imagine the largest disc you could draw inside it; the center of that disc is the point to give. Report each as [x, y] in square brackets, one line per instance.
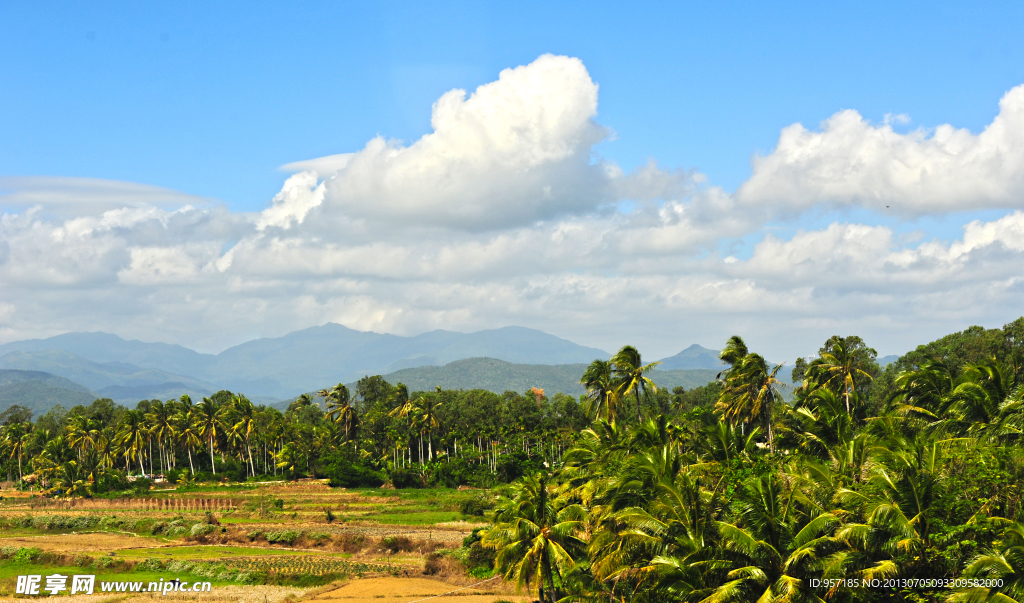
[901, 484]
[379, 433]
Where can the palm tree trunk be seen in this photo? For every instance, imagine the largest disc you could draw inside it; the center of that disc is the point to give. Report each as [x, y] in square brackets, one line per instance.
[639, 419]
[213, 466]
[191, 466]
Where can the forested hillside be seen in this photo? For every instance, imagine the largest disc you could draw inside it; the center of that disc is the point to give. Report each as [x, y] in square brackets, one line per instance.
[499, 376]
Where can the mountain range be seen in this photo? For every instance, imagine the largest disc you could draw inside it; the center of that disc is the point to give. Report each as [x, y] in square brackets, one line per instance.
[271, 369]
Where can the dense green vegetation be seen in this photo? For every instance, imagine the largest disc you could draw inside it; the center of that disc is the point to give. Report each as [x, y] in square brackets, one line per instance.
[895, 485]
[861, 484]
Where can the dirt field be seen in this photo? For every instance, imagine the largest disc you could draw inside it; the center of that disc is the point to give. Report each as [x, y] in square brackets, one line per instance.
[407, 590]
[80, 543]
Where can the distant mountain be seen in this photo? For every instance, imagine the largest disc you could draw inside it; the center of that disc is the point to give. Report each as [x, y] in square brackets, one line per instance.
[494, 375]
[301, 361]
[104, 347]
[129, 395]
[39, 391]
[693, 357]
[685, 378]
[95, 375]
[499, 376]
[885, 361]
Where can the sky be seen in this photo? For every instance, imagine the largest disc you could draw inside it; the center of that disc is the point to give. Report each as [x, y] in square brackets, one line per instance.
[651, 174]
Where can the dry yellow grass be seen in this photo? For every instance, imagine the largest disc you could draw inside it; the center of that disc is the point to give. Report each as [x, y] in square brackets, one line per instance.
[80, 543]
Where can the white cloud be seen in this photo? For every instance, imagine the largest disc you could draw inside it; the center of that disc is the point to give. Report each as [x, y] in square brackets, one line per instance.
[64, 196]
[300, 194]
[516, 151]
[852, 162]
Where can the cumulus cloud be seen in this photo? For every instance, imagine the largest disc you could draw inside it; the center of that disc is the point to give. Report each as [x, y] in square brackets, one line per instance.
[513, 152]
[849, 161]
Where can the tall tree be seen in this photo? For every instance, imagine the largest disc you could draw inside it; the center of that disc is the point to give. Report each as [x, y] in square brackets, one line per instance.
[631, 375]
[843, 364]
[602, 393]
[750, 389]
[535, 538]
[208, 422]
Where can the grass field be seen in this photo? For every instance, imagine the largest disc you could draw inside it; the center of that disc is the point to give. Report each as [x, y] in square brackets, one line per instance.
[279, 539]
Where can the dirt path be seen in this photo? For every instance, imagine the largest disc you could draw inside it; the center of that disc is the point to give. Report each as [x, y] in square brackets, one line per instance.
[408, 590]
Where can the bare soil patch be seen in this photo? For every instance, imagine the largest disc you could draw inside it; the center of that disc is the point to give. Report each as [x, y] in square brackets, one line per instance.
[80, 543]
[406, 590]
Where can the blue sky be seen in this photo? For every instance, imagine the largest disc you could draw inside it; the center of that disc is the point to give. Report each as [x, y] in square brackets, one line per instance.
[210, 101]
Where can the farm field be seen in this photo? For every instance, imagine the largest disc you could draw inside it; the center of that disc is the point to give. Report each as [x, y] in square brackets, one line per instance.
[265, 541]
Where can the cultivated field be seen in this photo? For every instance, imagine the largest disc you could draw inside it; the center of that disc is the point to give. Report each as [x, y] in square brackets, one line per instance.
[260, 542]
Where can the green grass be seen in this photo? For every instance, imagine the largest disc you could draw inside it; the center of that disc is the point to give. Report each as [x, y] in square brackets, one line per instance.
[415, 518]
[10, 570]
[242, 520]
[195, 553]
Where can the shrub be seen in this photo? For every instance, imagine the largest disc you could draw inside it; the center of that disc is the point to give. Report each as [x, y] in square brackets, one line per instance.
[202, 529]
[405, 478]
[474, 536]
[344, 473]
[477, 505]
[27, 555]
[480, 557]
[442, 565]
[286, 536]
[152, 565]
[396, 544]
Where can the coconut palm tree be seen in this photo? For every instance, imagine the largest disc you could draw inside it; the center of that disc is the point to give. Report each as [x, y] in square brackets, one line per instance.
[340, 408]
[187, 431]
[631, 375]
[161, 426]
[535, 537]
[15, 436]
[244, 420]
[132, 436]
[773, 548]
[602, 392]
[840, 367]
[750, 393]
[208, 421]
[1003, 563]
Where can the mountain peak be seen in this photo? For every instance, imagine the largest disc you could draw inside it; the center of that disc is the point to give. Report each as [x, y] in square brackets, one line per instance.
[693, 357]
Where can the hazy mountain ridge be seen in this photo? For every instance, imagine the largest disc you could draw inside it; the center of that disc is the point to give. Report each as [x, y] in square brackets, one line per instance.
[499, 376]
[93, 375]
[693, 357]
[279, 367]
[40, 391]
